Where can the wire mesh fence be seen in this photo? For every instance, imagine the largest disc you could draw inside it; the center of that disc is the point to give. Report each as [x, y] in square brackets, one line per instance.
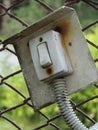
[46, 118]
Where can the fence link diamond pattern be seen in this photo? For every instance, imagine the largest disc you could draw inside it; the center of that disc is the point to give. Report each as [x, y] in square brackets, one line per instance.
[7, 79]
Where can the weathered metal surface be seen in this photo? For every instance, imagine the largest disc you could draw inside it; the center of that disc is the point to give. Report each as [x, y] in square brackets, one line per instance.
[84, 73]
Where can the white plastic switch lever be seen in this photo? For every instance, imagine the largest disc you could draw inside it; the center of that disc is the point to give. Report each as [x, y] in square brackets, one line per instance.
[44, 56]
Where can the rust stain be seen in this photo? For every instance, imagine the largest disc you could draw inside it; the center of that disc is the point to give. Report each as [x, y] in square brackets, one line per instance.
[49, 71]
[64, 27]
[65, 30]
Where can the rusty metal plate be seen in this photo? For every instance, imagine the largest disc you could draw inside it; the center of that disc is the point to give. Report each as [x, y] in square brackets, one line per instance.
[84, 73]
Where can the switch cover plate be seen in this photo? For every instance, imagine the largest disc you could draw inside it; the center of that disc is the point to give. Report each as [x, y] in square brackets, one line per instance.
[49, 51]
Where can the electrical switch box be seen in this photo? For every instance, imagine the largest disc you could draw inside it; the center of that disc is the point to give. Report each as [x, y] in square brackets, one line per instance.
[49, 58]
[60, 30]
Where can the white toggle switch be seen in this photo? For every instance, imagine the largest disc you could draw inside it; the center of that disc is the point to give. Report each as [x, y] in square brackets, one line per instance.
[44, 57]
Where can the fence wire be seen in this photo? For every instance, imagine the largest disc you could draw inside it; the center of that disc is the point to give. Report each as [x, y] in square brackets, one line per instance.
[4, 80]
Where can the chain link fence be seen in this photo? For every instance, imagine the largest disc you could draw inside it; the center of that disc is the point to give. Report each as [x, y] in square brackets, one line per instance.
[48, 121]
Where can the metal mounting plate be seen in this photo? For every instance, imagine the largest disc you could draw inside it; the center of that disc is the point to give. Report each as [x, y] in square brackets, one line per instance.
[66, 22]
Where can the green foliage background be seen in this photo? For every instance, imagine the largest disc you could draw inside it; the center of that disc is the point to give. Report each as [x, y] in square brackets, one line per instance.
[25, 116]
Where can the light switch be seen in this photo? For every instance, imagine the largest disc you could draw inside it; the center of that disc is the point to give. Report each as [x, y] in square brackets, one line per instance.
[44, 56]
[49, 58]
